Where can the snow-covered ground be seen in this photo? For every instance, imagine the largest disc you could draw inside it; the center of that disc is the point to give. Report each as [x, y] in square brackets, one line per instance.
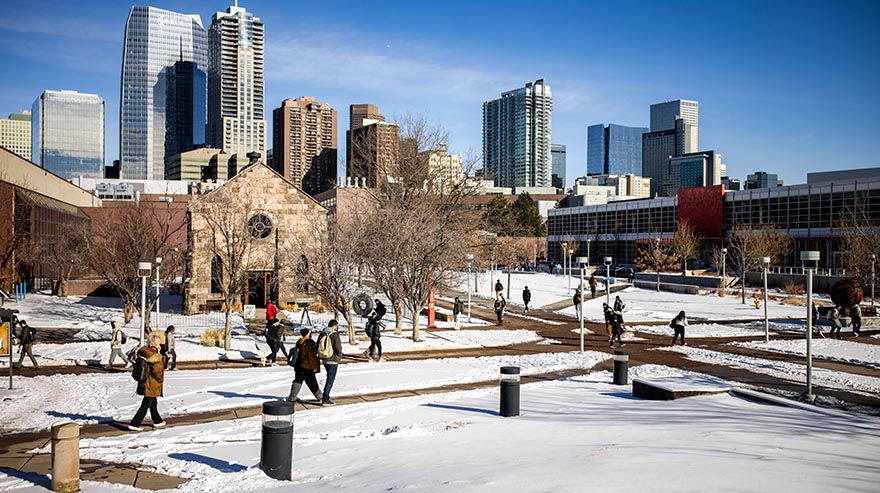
[787, 371]
[579, 434]
[847, 351]
[703, 330]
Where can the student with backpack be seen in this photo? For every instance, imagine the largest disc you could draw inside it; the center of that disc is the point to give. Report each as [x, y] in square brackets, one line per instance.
[330, 352]
[149, 372]
[678, 324]
[26, 339]
[500, 303]
[275, 338]
[117, 339]
[305, 367]
[169, 349]
[374, 331]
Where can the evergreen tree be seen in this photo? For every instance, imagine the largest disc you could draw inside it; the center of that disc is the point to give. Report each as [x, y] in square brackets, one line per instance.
[498, 218]
[528, 219]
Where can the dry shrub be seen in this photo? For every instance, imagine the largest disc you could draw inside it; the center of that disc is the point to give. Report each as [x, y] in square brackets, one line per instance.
[212, 338]
[363, 338]
[722, 293]
[291, 307]
[792, 288]
[317, 307]
[794, 300]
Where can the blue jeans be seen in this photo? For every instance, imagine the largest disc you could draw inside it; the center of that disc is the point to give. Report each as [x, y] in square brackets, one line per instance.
[331, 377]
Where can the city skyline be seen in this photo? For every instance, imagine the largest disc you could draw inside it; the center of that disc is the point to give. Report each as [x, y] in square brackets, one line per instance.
[767, 78]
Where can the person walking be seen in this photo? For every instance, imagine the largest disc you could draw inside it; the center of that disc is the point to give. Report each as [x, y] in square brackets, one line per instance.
[527, 298]
[457, 308]
[608, 313]
[500, 303]
[616, 331]
[117, 339]
[834, 320]
[169, 349]
[577, 302]
[498, 288]
[593, 286]
[630, 275]
[275, 339]
[305, 367]
[151, 388]
[374, 331]
[331, 363]
[27, 338]
[678, 324]
[271, 314]
[618, 310]
[856, 316]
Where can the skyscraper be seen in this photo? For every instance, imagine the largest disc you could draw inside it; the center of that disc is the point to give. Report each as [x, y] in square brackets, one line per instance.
[558, 157]
[516, 137]
[359, 112]
[15, 133]
[236, 122]
[664, 115]
[67, 134]
[162, 102]
[614, 149]
[304, 139]
[373, 152]
[657, 148]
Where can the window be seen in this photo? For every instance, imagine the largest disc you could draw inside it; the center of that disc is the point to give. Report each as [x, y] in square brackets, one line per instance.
[260, 226]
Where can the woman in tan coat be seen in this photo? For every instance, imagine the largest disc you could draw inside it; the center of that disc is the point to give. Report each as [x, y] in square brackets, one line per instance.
[151, 388]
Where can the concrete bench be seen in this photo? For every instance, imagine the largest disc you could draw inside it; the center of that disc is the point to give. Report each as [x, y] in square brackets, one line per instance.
[668, 389]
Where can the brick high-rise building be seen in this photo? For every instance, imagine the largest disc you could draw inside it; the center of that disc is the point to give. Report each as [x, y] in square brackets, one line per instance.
[359, 112]
[304, 143]
[373, 152]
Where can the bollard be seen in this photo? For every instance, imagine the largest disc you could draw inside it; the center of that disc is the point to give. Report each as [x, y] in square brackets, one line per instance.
[509, 391]
[621, 367]
[276, 449]
[65, 457]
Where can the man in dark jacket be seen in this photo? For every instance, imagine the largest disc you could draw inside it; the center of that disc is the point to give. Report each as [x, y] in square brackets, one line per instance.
[151, 388]
[26, 343]
[306, 367]
[275, 340]
[527, 298]
[331, 364]
[498, 288]
[577, 302]
[593, 285]
[457, 309]
[500, 303]
[373, 330]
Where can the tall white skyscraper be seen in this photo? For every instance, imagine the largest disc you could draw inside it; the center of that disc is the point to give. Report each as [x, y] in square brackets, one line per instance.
[663, 116]
[516, 137]
[67, 131]
[162, 103]
[236, 121]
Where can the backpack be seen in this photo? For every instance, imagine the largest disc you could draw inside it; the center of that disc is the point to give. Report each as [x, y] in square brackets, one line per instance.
[33, 334]
[325, 347]
[124, 339]
[139, 370]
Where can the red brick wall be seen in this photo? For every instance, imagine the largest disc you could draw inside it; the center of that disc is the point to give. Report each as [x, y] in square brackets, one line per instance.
[703, 208]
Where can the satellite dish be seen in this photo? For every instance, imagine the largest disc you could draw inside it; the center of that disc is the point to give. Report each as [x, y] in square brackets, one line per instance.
[363, 304]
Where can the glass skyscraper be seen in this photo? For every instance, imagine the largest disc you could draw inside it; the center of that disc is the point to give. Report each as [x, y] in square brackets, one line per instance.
[516, 137]
[67, 132]
[663, 116]
[558, 151]
[614, 149]
[162, 106]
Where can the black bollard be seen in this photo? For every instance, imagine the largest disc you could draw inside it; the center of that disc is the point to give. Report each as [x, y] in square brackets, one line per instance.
[621, 367]
[276, 449]
[509, 391]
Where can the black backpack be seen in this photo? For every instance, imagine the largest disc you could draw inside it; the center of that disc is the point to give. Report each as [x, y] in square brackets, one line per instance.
[139, 370]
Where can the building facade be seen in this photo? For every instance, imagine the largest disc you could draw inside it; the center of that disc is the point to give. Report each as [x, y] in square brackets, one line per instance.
[357, 113]
[760, 179]
[373, 152]
[627, 185]
[236, 119]
[614, 149]
[304, 143]
[67, 133]
[698, 169]
[558, 154]
[162, 102]
[516, 137]
[205, 164]
[15, 133]
[664, 116]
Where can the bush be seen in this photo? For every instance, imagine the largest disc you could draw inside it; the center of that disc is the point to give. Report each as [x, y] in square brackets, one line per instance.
[796, 301]
[212, 338]
[291, 307]
[317, 307]
[793, 289]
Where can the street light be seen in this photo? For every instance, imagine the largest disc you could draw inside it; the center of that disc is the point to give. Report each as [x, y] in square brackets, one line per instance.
[470, 258]
[766, 262]
[810, 256]
[588, 253]
[581, 262]
[144, 270]
[570, 252]
[608, 280]
[564, 251]
[872, 258]
[724, 269]
[158, 261]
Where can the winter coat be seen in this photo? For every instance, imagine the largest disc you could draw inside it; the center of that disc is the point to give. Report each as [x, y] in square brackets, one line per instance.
[856, 314]
[593, 283]
[25, 337]
[380, 310]
[307, 358]
[271, 312]
[499, 305]
[170, 343]
[457, 308]
[152, 386]
[116, 339]
[577, 298]
[335, 342]
[527, 295]
[498, 287]
[619, 306]
[679, 321]
[834, 318]
[274, 334]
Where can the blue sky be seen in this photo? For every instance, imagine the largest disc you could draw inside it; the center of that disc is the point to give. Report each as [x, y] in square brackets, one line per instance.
[784, 87]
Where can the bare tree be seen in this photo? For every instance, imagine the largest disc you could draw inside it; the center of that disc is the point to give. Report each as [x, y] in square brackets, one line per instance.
[686, 243]
[860, 239]
[751, 242]
[126, 235]
[656, 256]
[66, 252]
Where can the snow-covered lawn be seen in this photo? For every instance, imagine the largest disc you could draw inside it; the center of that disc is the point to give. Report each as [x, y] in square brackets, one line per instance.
[574, 435]
[847, 351]
[38, 402]
[702, 330]
[780, 369]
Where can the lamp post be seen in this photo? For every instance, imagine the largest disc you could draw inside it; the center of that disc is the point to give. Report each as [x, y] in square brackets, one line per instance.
[144, 270]
[724, 269]
[810, 256]
[766, 262]
[608, 280]
[570, 252]
[470, 259]
[872, 258]
[588, 254]
[581, 262]
[158, 289]
[564, 251]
